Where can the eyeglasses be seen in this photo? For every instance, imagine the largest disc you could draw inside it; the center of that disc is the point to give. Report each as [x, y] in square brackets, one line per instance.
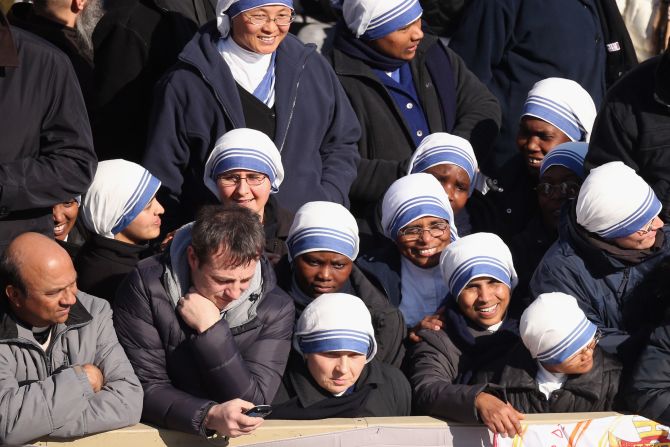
[436, 230]
[565, 189]
[234, 179]
[262, 19]
[591, 346]
[647, 228]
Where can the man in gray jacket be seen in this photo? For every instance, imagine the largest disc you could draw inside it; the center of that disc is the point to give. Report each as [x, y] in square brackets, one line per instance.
[62, 370]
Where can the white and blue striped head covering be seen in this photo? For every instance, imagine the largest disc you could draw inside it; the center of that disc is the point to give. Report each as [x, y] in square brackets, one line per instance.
[553, 328]
[412, 197]
[564, 104]
[474, 256]
[443, 148]
[335, 322]
[246, 149]
[569, 155]
[119, 192]
[615, 202]
[323, 226]
[227, 9]
[374, 19]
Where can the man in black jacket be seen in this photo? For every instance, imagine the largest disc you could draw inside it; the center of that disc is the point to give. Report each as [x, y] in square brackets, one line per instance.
[46, 152]
[205, 323]
[633, 126]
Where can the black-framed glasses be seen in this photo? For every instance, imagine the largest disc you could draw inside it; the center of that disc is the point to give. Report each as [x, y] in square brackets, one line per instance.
[262, 19]
[414, 233]
[235, 179]
[564, 189]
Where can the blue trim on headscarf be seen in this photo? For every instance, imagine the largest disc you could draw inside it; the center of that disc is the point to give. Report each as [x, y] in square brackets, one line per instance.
[144, 192]
[245, 5]
[244, 158]
[477, 267]
[570, 345]
[566, 158]
[264, 91]
[326, 239]
[649, 209]
[415, 208]
[556, 115]
[444, 155]
[336, 340]
[402, 15]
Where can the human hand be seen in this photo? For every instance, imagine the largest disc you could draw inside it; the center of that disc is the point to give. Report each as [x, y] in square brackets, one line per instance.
[94, 375]
[198, 312]
[431, 322]
[228, 418]
[167, 240]
[500, 417]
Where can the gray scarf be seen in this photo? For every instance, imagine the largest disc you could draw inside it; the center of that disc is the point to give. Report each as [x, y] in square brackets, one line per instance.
[177, 282]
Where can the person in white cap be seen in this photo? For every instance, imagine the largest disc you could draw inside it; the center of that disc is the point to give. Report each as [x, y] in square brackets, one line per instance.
[403, 86]
[332, 372]
[245, 169]
[122, 214]
[609, 241]
[246, 70]
[477, 331]
[419, 224]
[561, 175]
[558, 367]
[323, 244]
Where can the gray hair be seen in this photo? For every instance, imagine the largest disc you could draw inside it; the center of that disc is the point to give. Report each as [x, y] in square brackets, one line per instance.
[232, 230]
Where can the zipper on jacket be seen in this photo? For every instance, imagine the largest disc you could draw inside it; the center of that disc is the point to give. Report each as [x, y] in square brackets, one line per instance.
[624, 283]
[295, 99]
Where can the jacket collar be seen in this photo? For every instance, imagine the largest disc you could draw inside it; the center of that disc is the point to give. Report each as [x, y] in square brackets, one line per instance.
[9, 329]
[8, 54]
[124, 253]
[202, 53]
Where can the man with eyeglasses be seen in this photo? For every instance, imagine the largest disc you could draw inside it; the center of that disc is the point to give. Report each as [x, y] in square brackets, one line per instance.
[610, 239]
[246, 70]
[205, 327]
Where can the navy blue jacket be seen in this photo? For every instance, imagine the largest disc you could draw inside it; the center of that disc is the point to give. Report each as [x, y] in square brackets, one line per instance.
[198, 101]
[611, 293]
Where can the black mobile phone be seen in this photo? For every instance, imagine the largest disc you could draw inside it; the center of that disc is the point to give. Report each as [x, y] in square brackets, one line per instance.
[259, 411]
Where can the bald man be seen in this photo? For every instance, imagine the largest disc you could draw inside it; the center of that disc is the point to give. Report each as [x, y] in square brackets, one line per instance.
[62, 370]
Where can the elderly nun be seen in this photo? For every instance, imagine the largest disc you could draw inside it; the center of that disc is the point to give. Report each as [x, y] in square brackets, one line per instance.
[245, 169]
[122, 214]
[331, 372]
[609, 240]
[246, 70]
[561, 175]
[419, 224]
[323, 244]
[477, 332]
[451, 160]
[403, 86]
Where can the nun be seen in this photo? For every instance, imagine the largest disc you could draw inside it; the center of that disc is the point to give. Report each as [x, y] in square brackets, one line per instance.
[403, 86]
[609, 240]
[561, 175]
[323, 245]
[245, 169]
[477, 332]
[332, 371]
[558, 367]
[418, 223]
[245, 70]
[122, 214]
[451, 160]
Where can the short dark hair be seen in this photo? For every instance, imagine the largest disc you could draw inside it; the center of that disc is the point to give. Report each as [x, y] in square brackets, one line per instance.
[10, 272]
[235, 231]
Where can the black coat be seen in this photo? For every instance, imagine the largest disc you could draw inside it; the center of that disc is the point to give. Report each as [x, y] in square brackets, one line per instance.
[633, 126]
[184, 373]
[46, 154]
[386, 144]
[102, 263]
[514, 376]
[444, 366]
[380, 391]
